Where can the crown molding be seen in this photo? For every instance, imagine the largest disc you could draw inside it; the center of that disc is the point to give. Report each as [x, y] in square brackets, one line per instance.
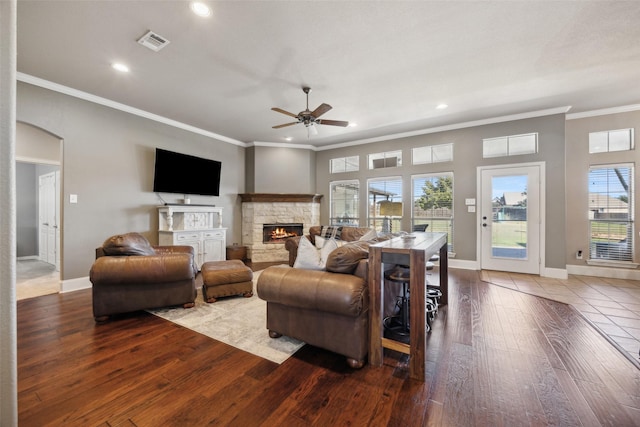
[492, 120]
[604, 112]
[282, 145]
[36, 81]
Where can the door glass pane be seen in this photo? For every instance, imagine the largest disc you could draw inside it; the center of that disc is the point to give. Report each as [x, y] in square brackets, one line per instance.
[509, 224]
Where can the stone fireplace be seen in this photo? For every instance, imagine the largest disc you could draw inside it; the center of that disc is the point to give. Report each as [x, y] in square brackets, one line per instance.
[280, 214]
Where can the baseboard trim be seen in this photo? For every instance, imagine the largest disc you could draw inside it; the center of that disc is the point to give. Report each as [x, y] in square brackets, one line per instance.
[28, 258]
[463, 264]
[613, 273]
[554, 273]
[75, 284]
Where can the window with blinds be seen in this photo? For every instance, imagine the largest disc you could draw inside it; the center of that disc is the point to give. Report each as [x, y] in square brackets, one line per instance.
[385, 204]
[432, 154]
[611, 212]
[388, 159]
[433, 203]
[343, 201]
[611, 140]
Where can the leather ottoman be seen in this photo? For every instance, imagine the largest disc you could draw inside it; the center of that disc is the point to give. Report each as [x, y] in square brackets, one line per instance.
[226, 278]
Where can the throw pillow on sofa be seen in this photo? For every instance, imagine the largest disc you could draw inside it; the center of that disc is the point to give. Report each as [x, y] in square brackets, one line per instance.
[127, 244]
[310, 258]
[331, 232]
[346, 258]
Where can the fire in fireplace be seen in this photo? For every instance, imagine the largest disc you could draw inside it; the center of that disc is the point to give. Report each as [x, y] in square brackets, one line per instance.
[278, 233]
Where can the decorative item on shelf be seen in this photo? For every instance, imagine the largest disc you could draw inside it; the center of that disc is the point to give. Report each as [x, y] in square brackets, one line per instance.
[389, 209]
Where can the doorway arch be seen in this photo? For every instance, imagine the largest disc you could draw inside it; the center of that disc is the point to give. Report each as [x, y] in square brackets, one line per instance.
[38, 153]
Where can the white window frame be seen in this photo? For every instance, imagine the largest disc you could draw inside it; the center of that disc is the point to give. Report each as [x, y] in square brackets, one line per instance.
[386, 158]
[334, 218]
[432, 154]
[611, 140]
[379, 222]
[512, 145]
[344, 164]
[431, 220]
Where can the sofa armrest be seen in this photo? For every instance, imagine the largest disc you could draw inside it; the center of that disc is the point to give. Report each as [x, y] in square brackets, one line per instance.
[116, 270]
[342, 294]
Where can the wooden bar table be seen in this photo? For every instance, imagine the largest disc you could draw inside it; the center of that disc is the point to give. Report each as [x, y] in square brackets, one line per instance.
[412, 250]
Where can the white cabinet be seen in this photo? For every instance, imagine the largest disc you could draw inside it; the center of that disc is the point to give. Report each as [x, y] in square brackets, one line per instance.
[197, 226]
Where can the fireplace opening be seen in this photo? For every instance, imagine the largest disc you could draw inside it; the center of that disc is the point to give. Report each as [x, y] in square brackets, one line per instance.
[278, 233]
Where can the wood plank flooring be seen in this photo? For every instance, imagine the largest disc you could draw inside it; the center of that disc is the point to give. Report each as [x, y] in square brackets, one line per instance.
[495, 357]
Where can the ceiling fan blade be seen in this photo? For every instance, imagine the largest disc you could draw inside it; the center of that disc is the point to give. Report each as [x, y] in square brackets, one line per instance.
[333, 122]
[285, 125]
[280, 110]
[323, 108]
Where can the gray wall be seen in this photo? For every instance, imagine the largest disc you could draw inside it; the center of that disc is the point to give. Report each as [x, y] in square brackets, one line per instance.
[282, 170]
[108, 162]
[578, 162]
[467, 158]
[26, 210]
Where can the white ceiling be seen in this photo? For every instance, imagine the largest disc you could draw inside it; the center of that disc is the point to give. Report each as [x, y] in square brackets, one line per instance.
[384, 65]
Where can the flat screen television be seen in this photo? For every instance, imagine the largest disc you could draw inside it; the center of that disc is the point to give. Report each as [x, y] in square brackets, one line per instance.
[185, 174]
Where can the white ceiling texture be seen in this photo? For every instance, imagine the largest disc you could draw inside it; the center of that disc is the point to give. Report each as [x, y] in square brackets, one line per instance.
[384, 65]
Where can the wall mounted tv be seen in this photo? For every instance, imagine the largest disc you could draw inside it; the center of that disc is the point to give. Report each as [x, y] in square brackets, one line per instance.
[185, 174]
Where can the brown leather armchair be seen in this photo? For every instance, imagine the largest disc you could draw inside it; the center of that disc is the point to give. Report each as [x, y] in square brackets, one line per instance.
[129, 275]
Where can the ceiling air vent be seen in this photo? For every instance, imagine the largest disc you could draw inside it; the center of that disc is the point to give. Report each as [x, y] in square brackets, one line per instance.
[153, 41]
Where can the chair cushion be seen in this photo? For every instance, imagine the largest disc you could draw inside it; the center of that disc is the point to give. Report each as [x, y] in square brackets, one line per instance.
[127, 244]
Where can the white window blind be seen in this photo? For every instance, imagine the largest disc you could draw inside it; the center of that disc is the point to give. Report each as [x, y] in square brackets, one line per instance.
[611, 212]
[389, 159]
[385, 204]
[611, 140]
[432, 154]
[344, 202]
[510, 145]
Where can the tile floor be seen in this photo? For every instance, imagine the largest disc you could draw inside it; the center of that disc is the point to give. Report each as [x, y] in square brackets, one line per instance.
[36, 278]
[611, 305]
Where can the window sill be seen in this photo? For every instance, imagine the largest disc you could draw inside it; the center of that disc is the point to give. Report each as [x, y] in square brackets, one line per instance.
[609, 263]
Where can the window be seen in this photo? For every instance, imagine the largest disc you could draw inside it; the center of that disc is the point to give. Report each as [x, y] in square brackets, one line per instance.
[611, 140]
[389, 159]
[344, 198]
[433, 203]
[345, 164]
[510, 145]
[385, 204]
[611, 212]
[432, 154]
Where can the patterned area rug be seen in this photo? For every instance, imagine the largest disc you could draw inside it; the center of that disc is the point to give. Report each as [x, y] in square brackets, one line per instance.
[237, 321]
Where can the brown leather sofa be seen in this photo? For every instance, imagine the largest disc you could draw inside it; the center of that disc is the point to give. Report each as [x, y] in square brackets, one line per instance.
[129, 275]
[327, 309]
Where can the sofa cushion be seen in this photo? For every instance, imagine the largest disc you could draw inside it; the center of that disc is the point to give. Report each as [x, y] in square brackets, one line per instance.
[127, 244]
[310, 258]
[331, 232]
[346, 258]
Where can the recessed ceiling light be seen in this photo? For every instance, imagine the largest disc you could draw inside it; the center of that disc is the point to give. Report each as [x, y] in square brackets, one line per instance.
[442, 106]
[288, 138]
[352, 125]
[200, 9]
[120, 67]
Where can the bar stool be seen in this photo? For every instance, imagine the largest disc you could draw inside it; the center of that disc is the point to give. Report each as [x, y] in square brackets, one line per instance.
[397, 326]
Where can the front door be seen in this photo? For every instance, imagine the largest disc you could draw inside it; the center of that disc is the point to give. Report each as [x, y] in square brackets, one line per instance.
[510, 228]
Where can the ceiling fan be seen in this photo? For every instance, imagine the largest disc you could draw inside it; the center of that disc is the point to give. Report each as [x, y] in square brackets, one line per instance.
[308, 117]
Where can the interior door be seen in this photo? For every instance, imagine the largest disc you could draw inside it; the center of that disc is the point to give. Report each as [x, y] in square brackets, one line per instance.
[48, 218]
[510, 228]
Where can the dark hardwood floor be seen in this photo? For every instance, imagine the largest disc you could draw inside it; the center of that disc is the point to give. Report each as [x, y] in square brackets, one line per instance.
[496, 357]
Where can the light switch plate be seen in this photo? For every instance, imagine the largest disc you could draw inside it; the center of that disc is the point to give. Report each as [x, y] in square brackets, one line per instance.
[73, 198]
[471, 208]
[469, 202]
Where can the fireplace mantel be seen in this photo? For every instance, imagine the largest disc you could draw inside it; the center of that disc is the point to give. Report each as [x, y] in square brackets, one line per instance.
[280, 198]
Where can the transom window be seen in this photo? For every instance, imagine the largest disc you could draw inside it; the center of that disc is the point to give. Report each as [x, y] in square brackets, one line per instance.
[432, 154]
[389, 159]
[510, 145]
[345, 164]
[611, 212]
[611, 140]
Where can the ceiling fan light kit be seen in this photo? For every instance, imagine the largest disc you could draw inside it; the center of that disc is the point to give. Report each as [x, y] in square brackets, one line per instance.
[310, 118]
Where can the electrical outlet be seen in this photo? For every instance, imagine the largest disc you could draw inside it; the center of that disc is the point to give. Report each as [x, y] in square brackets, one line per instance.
[579, 255]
